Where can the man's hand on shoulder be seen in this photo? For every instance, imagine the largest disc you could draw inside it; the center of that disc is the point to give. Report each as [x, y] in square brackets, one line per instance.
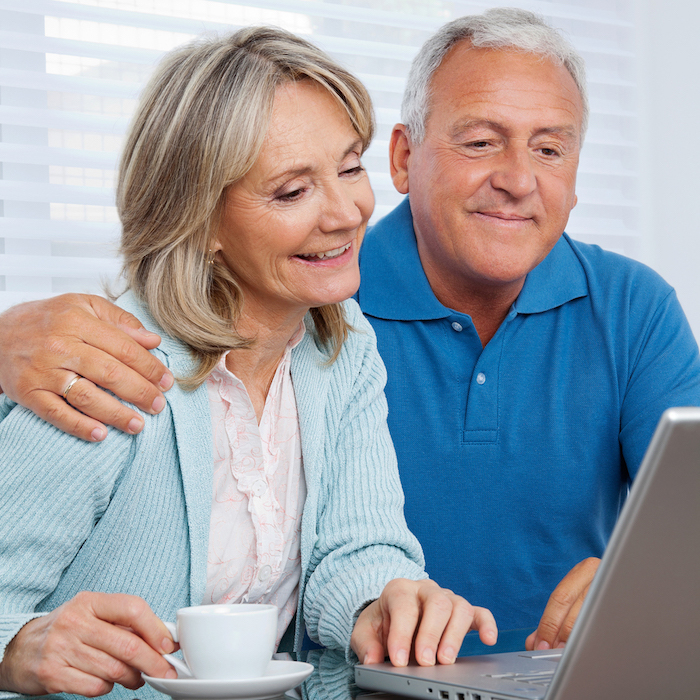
[56, 353]
[563, 607]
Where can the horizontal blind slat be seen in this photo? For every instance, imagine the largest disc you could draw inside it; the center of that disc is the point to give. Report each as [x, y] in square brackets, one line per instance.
[65, 194]
[59, 119]
[51, 230]
[39, 155]
[34, 80]
[371, 15]
[57, 266]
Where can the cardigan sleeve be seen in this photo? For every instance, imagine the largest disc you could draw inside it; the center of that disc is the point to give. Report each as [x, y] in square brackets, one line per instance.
[53, 490]
[362, 540]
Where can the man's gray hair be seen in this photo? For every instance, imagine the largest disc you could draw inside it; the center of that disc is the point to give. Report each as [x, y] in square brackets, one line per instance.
[498, 28]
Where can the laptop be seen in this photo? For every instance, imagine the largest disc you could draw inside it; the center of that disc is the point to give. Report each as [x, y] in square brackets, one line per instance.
[638, 632]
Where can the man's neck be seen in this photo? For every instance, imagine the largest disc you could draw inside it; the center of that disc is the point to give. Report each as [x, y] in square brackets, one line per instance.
[487, 305]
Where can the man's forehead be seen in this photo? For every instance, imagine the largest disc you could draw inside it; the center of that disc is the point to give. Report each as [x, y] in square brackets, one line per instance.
[484, 84]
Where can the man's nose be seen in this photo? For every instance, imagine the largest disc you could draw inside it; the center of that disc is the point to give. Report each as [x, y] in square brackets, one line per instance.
[515, 172]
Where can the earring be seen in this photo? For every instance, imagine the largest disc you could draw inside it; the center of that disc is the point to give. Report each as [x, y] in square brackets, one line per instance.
[210, 257]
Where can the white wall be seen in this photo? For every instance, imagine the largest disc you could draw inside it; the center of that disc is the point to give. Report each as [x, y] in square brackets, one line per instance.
[669, 80]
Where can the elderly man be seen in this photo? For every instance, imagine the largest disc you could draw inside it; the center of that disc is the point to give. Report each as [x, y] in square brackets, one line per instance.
[526, 371]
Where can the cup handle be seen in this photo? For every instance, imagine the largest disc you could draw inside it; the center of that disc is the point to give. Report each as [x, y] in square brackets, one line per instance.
[179, 665]
[172, 628]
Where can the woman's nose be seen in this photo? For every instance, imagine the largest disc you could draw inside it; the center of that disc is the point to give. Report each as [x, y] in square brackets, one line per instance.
[341, 209]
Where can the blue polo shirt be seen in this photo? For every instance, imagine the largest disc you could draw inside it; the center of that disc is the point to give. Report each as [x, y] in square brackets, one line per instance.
[516, 458]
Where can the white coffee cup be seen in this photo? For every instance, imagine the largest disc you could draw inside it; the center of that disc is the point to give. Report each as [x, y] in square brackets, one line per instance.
[224, 642]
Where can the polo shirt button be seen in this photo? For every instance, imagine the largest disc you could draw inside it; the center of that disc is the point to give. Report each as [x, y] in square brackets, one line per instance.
[264, 573]
[457, 326]
[480, 378]
[259, 488]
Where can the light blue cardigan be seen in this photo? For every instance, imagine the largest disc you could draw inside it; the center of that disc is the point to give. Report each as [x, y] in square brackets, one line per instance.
[131, 514]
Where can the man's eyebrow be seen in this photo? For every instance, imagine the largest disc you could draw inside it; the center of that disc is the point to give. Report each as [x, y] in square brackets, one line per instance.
[460, 127]
[561, 131]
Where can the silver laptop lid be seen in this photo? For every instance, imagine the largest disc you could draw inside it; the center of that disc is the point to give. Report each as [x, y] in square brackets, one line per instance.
[638, 633]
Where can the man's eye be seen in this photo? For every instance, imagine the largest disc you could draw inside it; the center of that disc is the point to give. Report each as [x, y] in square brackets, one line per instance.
[478, 144]
[549, 151]
[353, 171]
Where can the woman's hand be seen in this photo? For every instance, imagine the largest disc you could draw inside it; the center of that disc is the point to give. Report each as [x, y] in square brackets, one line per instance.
[44, 345]
[86, 646]
[436, 617]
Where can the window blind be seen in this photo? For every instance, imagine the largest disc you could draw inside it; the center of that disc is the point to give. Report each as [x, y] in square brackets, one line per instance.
[71, 72]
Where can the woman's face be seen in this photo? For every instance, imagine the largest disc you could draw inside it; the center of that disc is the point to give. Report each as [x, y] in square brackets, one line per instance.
[293, 225]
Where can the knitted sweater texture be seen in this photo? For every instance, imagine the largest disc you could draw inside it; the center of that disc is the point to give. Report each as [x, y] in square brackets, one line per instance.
[131, 514]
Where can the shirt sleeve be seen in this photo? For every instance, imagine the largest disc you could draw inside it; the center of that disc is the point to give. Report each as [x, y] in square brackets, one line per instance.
[362, 540]
[664, 373]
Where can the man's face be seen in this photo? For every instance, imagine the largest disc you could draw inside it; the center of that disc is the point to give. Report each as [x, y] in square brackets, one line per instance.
[493, 182]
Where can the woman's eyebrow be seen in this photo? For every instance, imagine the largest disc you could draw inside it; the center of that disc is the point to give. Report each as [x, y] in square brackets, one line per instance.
[305, 169]
[355, 145]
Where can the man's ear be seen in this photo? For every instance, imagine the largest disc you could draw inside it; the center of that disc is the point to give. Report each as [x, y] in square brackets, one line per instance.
[399, 155]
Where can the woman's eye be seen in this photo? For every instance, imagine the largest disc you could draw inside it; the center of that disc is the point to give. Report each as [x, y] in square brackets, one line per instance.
[353, 171]
[291, 196]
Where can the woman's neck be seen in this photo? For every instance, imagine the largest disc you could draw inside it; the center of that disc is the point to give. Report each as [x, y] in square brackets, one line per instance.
[256, 365]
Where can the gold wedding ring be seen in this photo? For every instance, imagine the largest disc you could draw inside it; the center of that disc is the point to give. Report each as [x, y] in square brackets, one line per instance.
[71, 383]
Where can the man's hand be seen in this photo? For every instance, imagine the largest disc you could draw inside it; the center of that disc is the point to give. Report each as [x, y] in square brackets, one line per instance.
[86, 646]
[45, 345]
[563, 607]
[437, 619]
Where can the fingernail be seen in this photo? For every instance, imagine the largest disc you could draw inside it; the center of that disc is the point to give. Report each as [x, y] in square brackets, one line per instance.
[428, 657]
[135, 426]
[166, 381]
[491, 636]
[449, 654]
[542, 646]
[561, 645]
[158, 404]
[167, 645]
[143, 331]
[98, 434]
[401, 657]
[171, 673]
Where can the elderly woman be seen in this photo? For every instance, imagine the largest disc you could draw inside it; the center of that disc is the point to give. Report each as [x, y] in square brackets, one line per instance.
[243, 203]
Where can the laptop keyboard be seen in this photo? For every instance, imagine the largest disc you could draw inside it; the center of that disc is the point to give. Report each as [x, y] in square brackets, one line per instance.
[543, 678]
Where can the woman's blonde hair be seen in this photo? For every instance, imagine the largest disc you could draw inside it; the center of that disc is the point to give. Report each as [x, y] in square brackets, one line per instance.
[199, 128]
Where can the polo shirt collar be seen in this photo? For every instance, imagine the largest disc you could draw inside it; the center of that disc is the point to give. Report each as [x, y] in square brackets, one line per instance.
[558, 279]
[394, 286]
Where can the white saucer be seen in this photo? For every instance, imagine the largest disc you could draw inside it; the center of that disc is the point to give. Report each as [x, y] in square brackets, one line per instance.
[280, 676]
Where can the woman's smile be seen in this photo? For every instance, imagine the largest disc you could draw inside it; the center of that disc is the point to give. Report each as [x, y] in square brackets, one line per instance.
[327, 256]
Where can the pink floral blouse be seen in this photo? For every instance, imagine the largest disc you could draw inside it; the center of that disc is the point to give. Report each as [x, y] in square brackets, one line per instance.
[259, 493]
